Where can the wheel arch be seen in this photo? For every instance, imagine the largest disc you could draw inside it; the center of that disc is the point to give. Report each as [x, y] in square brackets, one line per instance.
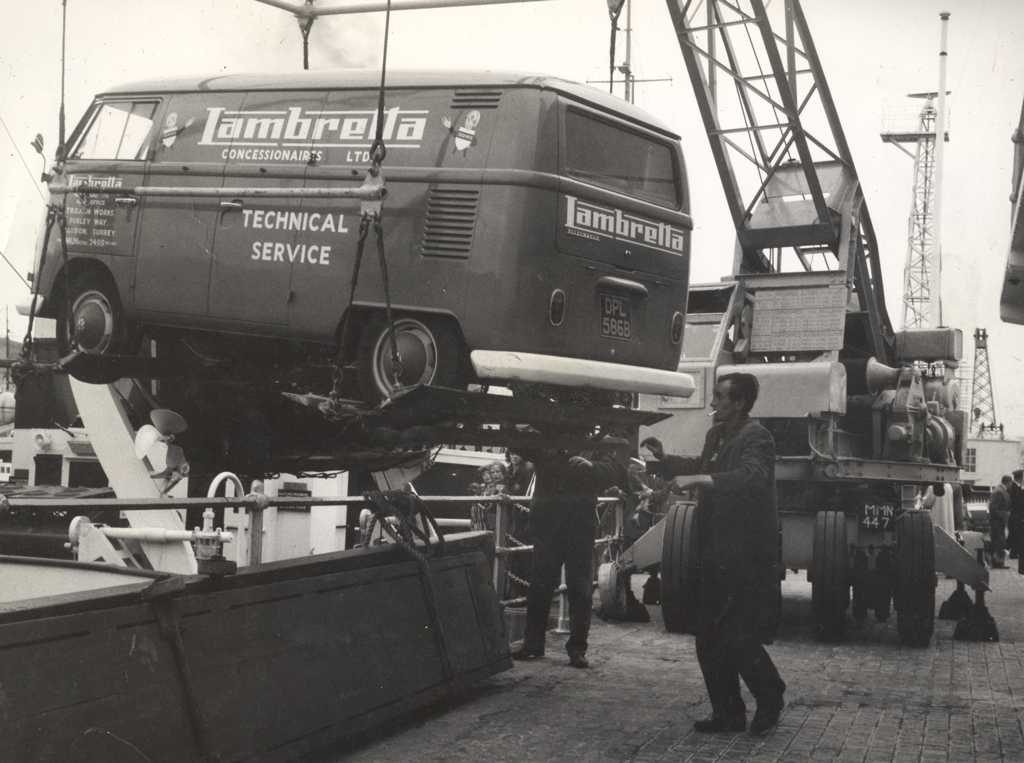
[359, 313]
[77, 268]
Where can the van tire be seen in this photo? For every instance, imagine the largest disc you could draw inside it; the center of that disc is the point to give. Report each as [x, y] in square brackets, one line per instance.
[431, 350]
[91, 321]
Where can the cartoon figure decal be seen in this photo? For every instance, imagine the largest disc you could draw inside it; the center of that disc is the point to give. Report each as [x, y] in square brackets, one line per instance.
[465, 135]
[171, 129]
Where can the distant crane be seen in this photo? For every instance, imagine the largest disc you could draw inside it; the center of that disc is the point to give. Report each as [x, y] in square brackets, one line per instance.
[983, 403]
[922, 275]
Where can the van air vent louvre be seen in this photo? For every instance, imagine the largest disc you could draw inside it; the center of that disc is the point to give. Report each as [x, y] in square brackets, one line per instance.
[451, 217]
[476, 98]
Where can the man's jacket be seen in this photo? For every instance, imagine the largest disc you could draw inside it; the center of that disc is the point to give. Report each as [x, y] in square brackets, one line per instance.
[738, 522]
[565, 488]
[999, 504]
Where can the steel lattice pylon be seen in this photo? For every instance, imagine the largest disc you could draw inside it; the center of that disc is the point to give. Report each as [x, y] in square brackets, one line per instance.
[922, 273]
[921, 250]
[983, 404]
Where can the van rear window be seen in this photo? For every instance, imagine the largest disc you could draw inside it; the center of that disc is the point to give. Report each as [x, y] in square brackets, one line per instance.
[118, 131]
[621, 160]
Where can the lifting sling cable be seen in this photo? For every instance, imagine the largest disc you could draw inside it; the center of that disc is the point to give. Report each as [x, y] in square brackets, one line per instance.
[54, 214]
[395, 512]
[614, 9]
[371, 214]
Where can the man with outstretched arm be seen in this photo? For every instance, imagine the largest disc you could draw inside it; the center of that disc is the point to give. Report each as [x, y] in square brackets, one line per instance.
[737, 525]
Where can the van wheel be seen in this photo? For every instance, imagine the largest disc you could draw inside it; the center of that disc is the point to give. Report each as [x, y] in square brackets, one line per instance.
[91, 321]
[430, 351]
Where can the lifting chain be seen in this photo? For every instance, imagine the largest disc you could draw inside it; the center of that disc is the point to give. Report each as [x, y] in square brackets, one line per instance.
[55, 216]
[614, 9]
[517, 580]
[371, 214]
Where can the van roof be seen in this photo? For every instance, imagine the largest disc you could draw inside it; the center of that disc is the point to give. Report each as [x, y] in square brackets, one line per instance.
[325, 79]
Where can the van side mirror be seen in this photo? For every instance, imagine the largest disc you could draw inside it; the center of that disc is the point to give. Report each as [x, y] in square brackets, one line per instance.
[38, 144]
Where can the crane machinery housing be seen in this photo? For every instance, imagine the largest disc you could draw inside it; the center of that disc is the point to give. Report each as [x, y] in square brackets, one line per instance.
[864, 417]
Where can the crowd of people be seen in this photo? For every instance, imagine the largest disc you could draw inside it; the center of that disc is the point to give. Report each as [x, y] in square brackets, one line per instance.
[1006, 520]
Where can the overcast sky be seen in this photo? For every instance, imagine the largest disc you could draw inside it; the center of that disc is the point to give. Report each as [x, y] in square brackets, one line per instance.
[873, 52]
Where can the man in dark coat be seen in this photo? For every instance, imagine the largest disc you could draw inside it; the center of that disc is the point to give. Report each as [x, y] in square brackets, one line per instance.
[737, 523]
[998, 514]
[1015, 523]
[562, 522]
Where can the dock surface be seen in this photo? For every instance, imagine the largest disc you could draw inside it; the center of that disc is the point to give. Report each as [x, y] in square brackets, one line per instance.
[869, 699]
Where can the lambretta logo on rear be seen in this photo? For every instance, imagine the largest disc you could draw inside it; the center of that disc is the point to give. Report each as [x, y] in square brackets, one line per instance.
[582, 218]
[277, 134]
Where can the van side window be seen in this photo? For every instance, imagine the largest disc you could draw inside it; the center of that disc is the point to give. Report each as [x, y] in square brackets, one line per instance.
[621, 160]
[118, 131]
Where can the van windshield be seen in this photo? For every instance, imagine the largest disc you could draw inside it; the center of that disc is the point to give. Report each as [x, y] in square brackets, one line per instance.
[118, 131]
[619, 159]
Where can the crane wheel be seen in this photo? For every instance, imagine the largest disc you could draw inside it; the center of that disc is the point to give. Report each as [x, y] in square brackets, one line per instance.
[679, 572]
[830, 586]
[611, 589]
[915, 578]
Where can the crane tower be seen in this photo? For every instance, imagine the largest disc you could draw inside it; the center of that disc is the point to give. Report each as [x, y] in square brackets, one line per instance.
[922, 275]
[983, 403]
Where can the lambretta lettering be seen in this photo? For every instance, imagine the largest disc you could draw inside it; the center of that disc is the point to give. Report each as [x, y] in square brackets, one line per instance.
[296, 127]
[96, 181]
[588, 220]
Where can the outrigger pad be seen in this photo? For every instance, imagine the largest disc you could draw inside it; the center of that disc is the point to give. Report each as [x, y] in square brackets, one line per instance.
[979, 625]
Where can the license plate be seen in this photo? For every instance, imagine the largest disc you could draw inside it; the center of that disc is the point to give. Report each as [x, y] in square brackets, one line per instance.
[615, 318]
[877, 516]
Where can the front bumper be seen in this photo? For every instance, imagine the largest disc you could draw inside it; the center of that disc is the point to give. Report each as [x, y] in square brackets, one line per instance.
[506, 366]
[24, 306]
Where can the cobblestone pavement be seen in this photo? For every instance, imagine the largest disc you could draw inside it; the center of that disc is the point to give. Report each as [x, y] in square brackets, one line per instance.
[869, 699]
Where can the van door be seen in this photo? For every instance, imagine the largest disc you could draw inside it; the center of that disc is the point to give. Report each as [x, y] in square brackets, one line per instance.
[260, 240]
[175, 249]
[111, 153]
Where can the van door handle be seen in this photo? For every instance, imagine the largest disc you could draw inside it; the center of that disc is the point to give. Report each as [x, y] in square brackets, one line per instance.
[125, 201]
[227, 206]
[612, 282]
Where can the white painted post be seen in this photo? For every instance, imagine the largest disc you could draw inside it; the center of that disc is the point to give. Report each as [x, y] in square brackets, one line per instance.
[113, 440]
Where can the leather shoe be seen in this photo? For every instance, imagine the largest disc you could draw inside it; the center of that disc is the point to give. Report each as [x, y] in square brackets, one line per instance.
[717, 724]
[578, 660]
[523, 654]
[766, 717]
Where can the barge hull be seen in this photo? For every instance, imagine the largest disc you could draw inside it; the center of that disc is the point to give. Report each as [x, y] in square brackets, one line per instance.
[265, 665]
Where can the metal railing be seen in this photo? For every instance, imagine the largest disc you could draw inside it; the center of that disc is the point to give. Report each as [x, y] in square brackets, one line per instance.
[505, 507]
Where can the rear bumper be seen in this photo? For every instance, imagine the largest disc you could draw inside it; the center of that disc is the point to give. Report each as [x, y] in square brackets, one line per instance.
[574, 372]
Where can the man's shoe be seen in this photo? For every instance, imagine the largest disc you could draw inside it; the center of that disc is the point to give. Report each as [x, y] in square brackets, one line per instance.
[717, 724]
[523, 654]
[578, 660]
[766, 717]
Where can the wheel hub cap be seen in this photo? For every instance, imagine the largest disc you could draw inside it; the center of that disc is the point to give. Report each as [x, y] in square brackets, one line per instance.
[417, 355]
[93, 326]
